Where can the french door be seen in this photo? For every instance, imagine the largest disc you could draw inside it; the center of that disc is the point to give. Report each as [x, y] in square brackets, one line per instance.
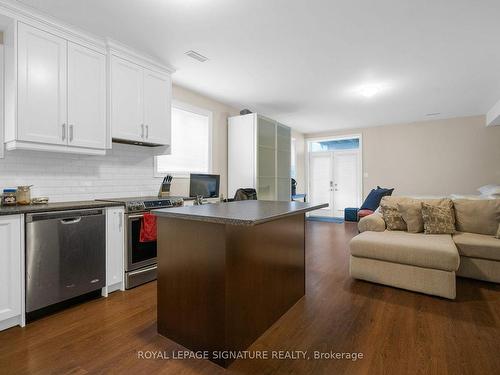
[334, 178]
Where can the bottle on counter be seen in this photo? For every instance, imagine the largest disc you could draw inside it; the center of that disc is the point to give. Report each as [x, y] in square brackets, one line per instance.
[9, 197]
[23, 194]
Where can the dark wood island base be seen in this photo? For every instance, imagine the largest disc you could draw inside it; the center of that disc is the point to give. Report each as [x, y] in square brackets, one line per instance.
[221, 285]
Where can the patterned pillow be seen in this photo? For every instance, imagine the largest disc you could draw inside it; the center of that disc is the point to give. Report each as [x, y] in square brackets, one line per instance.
[438, 219]
[392, 216]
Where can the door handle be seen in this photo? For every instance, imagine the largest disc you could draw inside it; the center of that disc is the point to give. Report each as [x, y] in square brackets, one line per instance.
[63, 132]
[71, 221]
[120, 221]
[71, 133]
[142, 130]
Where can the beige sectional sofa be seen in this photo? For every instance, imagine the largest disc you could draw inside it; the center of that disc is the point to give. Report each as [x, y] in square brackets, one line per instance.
[429, 263]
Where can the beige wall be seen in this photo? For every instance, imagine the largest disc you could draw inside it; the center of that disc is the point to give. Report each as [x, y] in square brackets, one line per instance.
[180, 186]
[430, 158]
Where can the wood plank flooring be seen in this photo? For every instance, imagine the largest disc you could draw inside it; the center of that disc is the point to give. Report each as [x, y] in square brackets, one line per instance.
[399, 332]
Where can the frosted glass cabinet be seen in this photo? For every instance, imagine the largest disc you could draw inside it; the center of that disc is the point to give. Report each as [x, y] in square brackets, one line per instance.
[259, 151]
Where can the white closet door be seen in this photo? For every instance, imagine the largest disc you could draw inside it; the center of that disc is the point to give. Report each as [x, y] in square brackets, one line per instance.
[42, 106]
[283, 162]
[127, 110]
[157, 107]
[86, 97]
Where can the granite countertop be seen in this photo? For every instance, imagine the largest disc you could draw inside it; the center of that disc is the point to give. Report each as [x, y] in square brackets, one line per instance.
[239, 213]
[58, 206]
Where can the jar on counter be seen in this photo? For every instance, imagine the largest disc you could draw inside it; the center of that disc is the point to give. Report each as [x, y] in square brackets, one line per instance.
[9, 197]
[23, 195]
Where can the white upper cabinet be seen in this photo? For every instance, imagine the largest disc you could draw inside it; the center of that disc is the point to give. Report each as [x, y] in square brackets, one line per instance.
[41, 86]
[157, 107]
[140, 103]
[126, 100]
[60, 90]
[86, 97]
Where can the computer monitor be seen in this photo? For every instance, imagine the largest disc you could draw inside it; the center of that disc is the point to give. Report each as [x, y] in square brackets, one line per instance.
[206, 185]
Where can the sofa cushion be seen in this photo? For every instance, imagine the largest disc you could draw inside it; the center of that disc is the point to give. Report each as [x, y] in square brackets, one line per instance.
[477, 216]
[438, 219]
[436, 251]
[412, 215]
[477, 245]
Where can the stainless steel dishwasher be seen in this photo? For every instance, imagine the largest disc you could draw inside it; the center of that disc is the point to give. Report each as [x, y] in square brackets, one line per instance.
[65, 256]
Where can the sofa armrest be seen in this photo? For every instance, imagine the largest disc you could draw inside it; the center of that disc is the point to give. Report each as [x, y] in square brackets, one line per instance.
[374, 222]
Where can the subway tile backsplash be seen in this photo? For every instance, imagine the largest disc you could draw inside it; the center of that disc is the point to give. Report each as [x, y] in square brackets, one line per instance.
[124, 171]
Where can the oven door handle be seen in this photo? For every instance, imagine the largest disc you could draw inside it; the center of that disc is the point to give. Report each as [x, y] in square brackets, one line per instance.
[135, 216]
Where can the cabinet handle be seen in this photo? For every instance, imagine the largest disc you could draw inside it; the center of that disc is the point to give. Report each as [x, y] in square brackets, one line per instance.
[142, 130]
[63, 132]
[71, 133]
[147, 131]
[120, 221]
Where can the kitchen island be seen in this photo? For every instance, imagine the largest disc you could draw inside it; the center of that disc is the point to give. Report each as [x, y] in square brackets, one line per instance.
[228, 271]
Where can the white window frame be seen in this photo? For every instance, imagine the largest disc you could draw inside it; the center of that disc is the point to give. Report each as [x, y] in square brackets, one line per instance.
[200, 111]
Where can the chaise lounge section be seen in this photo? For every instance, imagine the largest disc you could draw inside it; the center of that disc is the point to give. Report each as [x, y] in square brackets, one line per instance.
[429, 263]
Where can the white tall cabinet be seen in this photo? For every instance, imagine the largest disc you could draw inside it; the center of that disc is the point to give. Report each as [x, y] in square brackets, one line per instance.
[259, 156]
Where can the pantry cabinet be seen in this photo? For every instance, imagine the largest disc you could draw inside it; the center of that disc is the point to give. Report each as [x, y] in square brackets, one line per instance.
[140, 103]
[259, 157]
[11, 270]
[115, 249]
[61, 93]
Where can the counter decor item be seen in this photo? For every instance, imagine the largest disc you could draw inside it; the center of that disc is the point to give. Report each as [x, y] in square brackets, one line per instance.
[9, 197]
[40, 200]
[23, 194]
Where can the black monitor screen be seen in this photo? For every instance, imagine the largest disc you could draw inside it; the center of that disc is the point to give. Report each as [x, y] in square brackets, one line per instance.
[206, 185]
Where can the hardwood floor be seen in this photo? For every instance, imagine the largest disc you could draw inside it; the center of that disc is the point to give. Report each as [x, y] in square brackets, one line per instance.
[399, 332]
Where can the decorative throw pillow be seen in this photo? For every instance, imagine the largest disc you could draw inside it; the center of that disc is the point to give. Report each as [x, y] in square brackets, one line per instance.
[392, 216]
[372, 201]
[411, 212]
[438, 219]
[498, 231]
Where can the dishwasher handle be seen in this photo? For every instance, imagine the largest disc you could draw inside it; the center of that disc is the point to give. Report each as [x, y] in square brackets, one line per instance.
[66, 217]
[73, 220]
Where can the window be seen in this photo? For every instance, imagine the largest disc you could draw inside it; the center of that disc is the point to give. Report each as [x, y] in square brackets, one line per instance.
[191, 150]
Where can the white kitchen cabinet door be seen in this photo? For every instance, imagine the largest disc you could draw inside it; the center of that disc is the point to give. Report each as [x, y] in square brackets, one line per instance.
[42, 99]
[157, 107]
[115, 249]
[10, 269]
[127, 109]
[86, 97]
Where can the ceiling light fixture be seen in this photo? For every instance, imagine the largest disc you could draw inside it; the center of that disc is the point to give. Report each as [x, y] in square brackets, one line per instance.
[196, 56]
[369, 91]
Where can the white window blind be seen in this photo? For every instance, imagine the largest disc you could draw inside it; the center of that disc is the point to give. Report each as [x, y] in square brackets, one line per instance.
[191, 143]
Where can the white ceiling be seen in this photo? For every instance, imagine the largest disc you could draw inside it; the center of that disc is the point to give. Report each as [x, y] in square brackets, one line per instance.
[303, 61]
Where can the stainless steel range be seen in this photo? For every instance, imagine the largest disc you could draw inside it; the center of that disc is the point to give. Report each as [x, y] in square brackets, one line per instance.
[140, 257]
